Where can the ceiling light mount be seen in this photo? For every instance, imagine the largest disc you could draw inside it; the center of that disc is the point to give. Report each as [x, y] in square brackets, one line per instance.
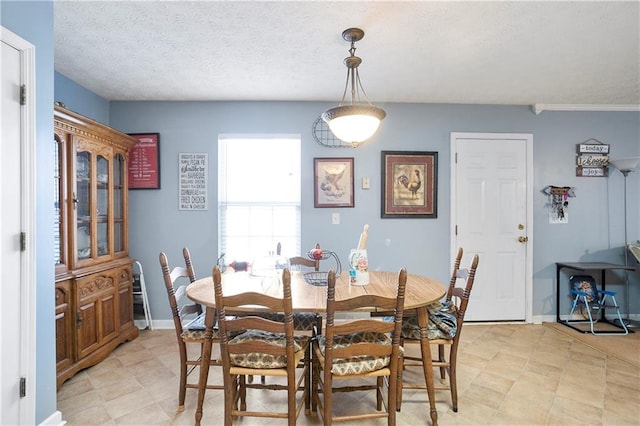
[356, 121]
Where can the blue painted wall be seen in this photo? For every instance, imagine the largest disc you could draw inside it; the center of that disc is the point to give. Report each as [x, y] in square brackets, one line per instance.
[33, 21]
[77, 98]
[594, 231]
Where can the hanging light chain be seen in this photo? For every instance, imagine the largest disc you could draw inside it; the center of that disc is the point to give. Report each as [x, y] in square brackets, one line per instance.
[353, 78]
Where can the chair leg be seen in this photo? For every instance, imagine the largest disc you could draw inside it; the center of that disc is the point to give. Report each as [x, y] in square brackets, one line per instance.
[243, 393]
[379, 389]
[230, 390]
[443, 369]
[622, 324]
[327, 395]
[399, 383]
[573, 308]
[591, 322]
[392, 397]
[183, 382]
[453, 381]
[314, 383]
[307, 381]
[292, 390]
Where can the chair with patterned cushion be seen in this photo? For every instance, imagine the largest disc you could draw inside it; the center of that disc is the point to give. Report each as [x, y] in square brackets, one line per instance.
[444, 329]
[302, 321]
[188, 321]
[362, 352]
[267, 348]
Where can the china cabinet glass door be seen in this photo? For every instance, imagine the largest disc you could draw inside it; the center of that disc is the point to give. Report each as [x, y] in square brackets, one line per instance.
[118, 203]
[102, 212]
[82, 200]
[59, 235]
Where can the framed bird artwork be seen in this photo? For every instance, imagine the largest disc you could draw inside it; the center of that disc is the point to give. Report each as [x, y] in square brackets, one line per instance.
[410, 184]
[333, 182]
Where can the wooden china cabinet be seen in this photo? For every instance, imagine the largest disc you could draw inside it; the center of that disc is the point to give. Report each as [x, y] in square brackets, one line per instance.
[93, 290]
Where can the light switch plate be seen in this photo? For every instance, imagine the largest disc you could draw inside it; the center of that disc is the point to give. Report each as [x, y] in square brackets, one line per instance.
[335, 218]
[365, 183]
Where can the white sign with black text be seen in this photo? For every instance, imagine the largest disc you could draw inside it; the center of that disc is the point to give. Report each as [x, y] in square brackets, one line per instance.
[194, 183]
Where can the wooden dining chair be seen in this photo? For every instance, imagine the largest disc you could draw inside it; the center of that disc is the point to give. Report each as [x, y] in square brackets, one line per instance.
[355, 350]
[302, 321]
[267, 348]
[444, 329]
[297, 262]
[188, 321]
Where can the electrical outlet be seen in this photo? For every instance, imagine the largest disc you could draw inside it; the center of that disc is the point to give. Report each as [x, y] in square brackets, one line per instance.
[335, 218]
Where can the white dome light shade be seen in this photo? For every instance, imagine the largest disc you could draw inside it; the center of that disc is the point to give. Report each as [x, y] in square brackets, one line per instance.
[625, 164]
[354, 123]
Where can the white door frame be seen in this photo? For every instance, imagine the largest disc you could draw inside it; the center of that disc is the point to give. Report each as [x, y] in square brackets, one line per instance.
[27, 217]
[528, 137]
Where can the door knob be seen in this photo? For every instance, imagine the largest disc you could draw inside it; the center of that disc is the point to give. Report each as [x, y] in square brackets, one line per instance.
[523, 239]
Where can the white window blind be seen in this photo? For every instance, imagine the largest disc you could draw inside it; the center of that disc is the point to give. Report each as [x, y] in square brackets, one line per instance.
[258, 196]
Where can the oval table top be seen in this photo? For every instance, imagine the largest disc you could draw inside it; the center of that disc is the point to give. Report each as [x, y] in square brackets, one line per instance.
[420, 290]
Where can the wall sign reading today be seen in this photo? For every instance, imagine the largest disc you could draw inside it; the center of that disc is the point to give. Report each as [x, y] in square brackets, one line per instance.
[592, 160]
[193, 188]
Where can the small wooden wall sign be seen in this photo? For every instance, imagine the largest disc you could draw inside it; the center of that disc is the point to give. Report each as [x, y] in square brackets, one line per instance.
[592, 160]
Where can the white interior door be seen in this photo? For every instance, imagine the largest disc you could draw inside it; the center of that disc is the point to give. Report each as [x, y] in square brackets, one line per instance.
[10, 231]
[17, 332]
[490, 216]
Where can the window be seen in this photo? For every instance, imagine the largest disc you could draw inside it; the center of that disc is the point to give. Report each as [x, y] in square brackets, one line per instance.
[258, 196]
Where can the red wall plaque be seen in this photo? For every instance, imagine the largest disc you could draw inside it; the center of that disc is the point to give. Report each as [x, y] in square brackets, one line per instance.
[144, 162]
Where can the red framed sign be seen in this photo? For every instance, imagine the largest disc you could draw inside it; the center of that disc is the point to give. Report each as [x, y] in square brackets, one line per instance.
[144, 162]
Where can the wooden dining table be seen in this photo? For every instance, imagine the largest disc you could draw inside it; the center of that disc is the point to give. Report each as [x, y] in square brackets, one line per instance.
[420, 291]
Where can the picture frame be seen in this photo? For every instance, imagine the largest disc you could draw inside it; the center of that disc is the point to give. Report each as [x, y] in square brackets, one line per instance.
[333, 182]
[144, 161]
[409, 184]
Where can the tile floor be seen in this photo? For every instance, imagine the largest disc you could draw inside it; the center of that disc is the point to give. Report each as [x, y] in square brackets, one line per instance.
[507, 375]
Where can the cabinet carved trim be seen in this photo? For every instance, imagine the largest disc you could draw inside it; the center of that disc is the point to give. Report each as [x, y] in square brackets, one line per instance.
[96, 133]
[94, 285]
[93, 146]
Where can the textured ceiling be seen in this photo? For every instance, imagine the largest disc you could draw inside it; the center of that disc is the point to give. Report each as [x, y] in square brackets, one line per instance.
[517, 53]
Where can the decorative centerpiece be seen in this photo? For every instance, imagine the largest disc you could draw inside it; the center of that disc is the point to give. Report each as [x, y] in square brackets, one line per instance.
[319, 277]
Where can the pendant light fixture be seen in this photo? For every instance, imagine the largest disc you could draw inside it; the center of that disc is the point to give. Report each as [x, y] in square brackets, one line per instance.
[356, 121]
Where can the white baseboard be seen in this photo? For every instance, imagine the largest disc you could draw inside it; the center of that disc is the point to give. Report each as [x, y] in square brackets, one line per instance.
[157, 324]
[55, 419]
[539, 319]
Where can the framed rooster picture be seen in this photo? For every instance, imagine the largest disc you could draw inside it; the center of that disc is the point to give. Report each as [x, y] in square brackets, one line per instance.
[333, 182]
[409, 184]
